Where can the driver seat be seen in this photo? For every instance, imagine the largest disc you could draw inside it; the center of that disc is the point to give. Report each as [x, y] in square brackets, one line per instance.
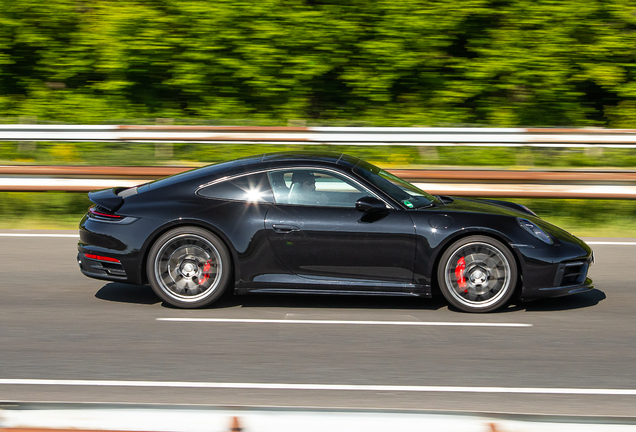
[295, 194]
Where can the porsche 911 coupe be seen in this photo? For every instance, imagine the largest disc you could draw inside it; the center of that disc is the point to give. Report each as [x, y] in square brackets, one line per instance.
[323, 224]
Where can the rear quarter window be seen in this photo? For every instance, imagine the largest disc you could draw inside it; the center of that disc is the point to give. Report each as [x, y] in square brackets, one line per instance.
[249, 188]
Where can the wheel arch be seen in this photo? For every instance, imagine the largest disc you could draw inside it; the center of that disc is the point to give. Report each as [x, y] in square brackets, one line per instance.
[448, 242]
[152, 239]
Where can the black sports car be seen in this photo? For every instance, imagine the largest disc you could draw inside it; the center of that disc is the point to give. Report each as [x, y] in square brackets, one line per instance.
[323, 224]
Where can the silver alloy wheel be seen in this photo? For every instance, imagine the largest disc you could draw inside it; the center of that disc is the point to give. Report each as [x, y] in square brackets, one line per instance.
[188, 268]
[478, 275]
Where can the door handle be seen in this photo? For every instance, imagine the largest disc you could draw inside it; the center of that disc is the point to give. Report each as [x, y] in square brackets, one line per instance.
[285, 228]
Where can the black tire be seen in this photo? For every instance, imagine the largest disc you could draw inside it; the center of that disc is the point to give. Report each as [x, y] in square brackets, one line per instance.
[477, 274]
[189, 267]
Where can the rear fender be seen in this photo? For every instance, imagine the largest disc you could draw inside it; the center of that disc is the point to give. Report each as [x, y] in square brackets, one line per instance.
[179, 223]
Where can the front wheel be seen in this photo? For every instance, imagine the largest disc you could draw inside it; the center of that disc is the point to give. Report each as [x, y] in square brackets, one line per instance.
[189, 267]
[477, 274]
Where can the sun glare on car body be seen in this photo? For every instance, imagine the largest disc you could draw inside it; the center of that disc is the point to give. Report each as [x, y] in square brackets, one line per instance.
[253, 195]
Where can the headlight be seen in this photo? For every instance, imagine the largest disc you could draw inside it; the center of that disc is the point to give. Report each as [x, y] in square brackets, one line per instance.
[534, 230]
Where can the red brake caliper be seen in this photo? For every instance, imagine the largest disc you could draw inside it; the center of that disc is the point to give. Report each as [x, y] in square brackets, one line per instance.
[459, 272]
[206, 273]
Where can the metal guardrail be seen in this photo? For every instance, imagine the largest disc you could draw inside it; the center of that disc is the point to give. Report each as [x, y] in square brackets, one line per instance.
[481, 183]
[376, 136]
[539, 184]
[458, 174]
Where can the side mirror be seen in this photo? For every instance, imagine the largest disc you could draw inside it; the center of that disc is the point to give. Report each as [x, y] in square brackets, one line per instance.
[370, 204]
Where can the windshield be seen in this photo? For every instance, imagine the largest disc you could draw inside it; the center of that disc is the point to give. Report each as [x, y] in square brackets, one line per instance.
[400, 190]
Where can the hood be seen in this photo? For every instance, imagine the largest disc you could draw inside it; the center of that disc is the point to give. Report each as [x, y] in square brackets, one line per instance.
[505, 208]
[501, 208]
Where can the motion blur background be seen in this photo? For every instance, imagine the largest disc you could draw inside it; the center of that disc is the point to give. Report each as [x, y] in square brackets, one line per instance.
[497, 63]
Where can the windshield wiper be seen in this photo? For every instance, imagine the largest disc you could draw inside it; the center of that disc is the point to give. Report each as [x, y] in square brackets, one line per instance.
[444, 199]
[433, 204]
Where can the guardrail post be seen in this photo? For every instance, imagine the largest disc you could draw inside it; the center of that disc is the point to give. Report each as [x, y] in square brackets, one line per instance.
[428, 153]
[26, 146]
[164, 150]
[595, 152]
[297, 123]
[27, 120]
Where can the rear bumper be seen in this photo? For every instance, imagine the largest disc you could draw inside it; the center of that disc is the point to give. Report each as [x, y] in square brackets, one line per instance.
[97, 269]
[123, 242]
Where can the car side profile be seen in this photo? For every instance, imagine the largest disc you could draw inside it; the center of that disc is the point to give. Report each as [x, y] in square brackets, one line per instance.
[323, 224]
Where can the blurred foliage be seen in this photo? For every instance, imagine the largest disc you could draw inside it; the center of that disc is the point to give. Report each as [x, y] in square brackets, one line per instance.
[385, 62]
[592, 218]
[584, 212]
[44, 205]
[317, 62]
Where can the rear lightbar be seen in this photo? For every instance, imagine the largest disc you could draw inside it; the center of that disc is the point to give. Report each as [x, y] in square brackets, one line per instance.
[96, 213]
[101, 258]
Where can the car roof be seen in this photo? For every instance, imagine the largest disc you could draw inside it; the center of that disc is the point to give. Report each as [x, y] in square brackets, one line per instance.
[256, 162]
[302, 156]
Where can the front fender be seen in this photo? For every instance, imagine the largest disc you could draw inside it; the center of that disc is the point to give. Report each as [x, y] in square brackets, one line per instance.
[432, 242]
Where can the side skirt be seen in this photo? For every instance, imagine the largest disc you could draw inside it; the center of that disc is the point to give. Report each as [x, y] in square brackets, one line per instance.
[420, 291]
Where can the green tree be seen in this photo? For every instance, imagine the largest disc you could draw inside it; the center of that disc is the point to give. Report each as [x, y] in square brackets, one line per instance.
[412, 62]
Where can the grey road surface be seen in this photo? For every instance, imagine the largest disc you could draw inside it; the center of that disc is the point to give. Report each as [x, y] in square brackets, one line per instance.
[83, 340]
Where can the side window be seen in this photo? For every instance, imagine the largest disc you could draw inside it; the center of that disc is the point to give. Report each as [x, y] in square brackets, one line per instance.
[315, 188]
[250, 188]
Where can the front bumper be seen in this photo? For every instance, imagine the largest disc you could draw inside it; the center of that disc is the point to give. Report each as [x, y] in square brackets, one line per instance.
[560, 291]
[555, 271]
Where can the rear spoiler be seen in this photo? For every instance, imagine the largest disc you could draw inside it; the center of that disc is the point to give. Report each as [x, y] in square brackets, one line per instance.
[107, 198]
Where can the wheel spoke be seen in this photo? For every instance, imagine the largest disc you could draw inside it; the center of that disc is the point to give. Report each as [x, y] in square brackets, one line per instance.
[187, 267]
[486, 276]
[470, 258]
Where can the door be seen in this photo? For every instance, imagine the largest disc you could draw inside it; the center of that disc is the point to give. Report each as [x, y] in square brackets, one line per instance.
[317, 233]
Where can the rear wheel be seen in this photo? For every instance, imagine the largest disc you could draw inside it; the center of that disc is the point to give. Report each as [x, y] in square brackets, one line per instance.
[189, 267]
[477, 274]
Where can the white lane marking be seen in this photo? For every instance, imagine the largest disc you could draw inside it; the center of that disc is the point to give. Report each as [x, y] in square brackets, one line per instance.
[337, 387]
[291, 321]
[40, 235]
[612, 243]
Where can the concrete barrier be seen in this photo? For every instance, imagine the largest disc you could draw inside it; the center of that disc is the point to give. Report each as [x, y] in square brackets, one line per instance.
[23, 417]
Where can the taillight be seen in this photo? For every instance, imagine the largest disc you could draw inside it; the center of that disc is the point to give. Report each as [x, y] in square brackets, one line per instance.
[101, 258]
[103, 213]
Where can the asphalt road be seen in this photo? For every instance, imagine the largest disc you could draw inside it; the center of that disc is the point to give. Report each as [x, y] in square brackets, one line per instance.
[575, 355]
